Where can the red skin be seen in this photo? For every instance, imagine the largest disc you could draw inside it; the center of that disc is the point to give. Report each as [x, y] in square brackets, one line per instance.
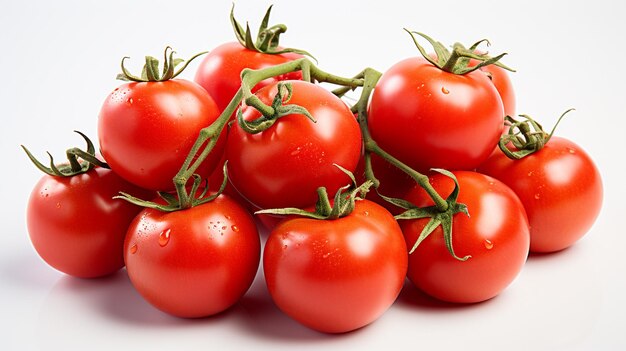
[501, 80]
[195, 262]
[560, 187]
[219, 73]
[75, 224]
[147, 129]
[284, 165]
[429, 118]
[337, 275]
[496, 235]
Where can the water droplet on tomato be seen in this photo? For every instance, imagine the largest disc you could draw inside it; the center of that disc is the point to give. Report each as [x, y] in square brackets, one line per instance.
[488, 244]
[224, 227]
[365, 213]
[296, 151]
[58, 205]
[129, 101]
[444, 90]
[133, 249]
[227, 217]
[537, 196]
[164, 237]
[530, 174]
[234, 228]
[571, 151]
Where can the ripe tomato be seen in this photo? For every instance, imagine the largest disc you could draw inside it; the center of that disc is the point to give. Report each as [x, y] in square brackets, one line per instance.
[560, 188]
[146, 130]
[195, 262]
[495, 235]
[75, 224]
[220, 71]
[429, 118]
[284, 165]
[336, 275]
[501, 80]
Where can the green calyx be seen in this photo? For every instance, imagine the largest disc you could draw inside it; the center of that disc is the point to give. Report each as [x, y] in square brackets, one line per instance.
[343, 202]
[526, 135]
[270, 114]
[457, 61]
[74, 157]
[151, 71]
[197, 195]
[437, 217]
[267, 40]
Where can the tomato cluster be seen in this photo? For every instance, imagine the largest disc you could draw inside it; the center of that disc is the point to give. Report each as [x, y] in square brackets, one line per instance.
[458, 195]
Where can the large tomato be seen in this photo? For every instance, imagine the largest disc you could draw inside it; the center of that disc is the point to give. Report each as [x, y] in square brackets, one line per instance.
[336, 275]
[495, 235]
[220, 71]
[430, 118]
[284, 165]
[195, 262]
[560, 187]
[75, 224]
[146, 130]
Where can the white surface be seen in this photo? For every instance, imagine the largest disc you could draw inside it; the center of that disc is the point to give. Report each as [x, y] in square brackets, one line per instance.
[59, 61]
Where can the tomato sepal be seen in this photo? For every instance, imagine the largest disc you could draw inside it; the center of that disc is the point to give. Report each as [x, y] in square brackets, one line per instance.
[343, 203]
[74, 166]
[457, 61]
[173, 203]
[150, 71]
[267, 40]
[527, 136]
[437, 217]
[277, 110]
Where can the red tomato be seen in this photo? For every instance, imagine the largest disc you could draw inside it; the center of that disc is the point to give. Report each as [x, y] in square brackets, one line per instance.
[336, 275]
[75, 224]
[284, 165]
[195, 262]
[560, 188]
[429, 118]
[220, 71]
[147, 129]
[502, 82]
[495, 235]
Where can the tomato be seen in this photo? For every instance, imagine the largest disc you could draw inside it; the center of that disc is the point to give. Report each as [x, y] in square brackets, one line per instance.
[560, 187]
[220, 71]
[430, 118]
[195, 262]
[146, 130]
[75, 224]
[501, 80]
[336, 275]
[284, 165]
[495, 234]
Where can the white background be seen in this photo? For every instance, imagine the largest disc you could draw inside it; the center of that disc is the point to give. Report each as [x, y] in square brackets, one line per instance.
[59, 60]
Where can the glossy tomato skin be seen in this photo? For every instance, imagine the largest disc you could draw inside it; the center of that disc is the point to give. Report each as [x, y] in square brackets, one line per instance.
[337, 275]
[147, 129]
[501, 80]
[495, 235]
[429, 118]
[560, 187]
[284, 165]
[220, 70]
[75, 224]
[195, 262]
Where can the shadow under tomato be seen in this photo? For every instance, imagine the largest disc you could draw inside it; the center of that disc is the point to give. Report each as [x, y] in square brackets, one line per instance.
[265, 320]
[412, 297]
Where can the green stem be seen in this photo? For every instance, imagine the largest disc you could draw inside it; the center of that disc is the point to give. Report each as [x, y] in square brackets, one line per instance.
[371, 78]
